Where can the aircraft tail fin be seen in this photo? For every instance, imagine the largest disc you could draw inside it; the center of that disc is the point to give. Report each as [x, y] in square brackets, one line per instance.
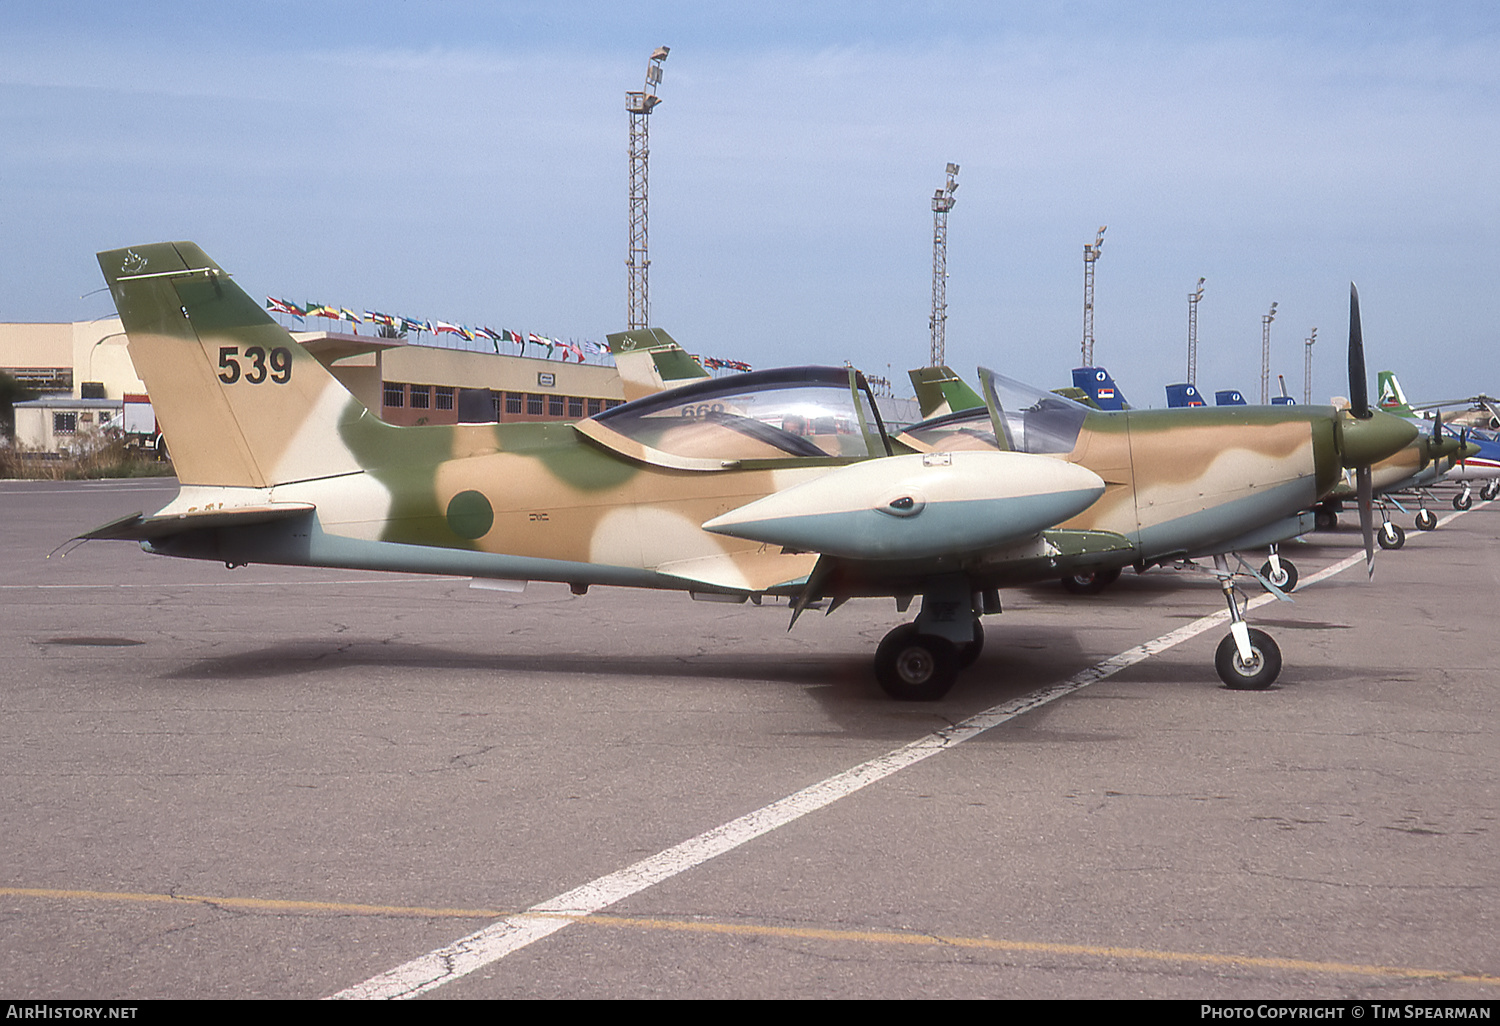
[1183, 394]
[650, 361]
[1392, 398]
[240, 402]
[940, 391]
[1229, 397]
[1099, 387]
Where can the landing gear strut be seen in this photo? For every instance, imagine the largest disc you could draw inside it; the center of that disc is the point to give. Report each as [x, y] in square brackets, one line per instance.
[1464, 499]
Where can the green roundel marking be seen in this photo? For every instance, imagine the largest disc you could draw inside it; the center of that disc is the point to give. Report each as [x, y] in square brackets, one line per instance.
[470, 515]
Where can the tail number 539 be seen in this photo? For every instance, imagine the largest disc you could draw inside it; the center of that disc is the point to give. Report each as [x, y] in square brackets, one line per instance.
[277, 366]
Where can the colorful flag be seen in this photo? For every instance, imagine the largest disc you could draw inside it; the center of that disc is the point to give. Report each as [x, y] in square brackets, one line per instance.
[319, 310]
[281, 306]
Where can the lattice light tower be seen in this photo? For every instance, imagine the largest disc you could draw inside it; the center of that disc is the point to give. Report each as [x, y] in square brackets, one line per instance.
[1193, 298]
[942, 203]
[1090, 256]
[1307, 368]
[1265, 354]
[640, 105]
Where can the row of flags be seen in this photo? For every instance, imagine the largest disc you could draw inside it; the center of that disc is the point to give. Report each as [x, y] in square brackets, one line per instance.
[342, 313]
[552, 345]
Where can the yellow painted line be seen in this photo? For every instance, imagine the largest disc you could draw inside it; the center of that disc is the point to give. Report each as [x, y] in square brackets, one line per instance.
[871, 937]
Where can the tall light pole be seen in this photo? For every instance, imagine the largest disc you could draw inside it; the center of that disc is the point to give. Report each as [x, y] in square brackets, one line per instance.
[1193, 298]
[640, 105]
[1090, 256]
[1307, 369]
[1265, 354]
[942, 203]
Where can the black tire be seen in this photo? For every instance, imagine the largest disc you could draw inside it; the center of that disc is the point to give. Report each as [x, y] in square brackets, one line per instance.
[1462, 501]
[913, 667]
[969, 654]
[1090, 582]
[1325, 519]
[1286, 580]
[1426, 520]
[1490, 490]
[1257, 676]
[1390, 536]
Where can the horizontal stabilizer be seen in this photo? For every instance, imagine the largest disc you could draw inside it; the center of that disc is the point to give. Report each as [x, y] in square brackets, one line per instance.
[143, 528]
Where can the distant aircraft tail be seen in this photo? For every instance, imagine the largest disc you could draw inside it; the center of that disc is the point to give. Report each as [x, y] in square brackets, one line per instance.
[1392, 399]
[1096, 383]
[1183, 395]
[1229, 397]
[941, 391]
[650, 361]
[239, 401]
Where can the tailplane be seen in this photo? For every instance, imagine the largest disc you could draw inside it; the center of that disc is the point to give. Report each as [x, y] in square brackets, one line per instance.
[240, 402]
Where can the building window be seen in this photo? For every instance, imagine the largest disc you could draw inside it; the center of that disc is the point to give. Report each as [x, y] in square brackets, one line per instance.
[610, 404]
[395, 395]
[515, 402]
[64, 423]
[554, 406]
[595, 406]
[535, 404]
[421, 397]
[443, 397]
[575, 406]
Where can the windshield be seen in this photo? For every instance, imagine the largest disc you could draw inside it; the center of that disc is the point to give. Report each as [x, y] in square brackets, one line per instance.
[796, 412]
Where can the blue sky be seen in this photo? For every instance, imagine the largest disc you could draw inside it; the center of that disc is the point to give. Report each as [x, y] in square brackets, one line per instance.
[467, 161]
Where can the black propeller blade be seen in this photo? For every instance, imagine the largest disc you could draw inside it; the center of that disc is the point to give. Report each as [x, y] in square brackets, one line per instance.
[1359, 406]
[1359, 390]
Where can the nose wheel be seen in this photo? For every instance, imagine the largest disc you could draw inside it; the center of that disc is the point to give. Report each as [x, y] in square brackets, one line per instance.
[1253, 674]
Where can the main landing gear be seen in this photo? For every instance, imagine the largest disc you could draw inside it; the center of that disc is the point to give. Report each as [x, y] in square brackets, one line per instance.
[920, 661]
[1464, 499]
[1490, 490]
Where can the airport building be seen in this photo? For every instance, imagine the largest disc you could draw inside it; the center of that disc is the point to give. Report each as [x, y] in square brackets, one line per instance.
[85, 377]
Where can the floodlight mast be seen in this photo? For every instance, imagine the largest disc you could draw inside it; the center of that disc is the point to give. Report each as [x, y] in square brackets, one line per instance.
[1193, 298]
[1090, 257]
[1265, 354]
[942, 203]
[638, 263]
[1307, 368]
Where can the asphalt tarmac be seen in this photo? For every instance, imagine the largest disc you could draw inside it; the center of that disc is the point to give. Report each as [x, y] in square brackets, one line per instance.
[289, 783]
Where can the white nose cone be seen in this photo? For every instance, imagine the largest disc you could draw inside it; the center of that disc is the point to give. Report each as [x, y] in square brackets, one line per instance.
[918, 506]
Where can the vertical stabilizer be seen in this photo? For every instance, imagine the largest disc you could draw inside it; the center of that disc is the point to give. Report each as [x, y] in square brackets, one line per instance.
[1392, 399]
[1096, 383]
[239, 401]
[650, 361]
[941, 391]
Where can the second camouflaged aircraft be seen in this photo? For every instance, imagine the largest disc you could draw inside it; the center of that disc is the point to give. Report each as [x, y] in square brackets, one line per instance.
[781, 482]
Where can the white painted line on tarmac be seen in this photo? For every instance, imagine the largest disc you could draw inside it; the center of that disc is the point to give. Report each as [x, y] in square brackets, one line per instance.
[513, 933]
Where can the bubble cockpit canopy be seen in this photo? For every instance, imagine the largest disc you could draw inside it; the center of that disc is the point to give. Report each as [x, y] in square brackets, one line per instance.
[784, 414]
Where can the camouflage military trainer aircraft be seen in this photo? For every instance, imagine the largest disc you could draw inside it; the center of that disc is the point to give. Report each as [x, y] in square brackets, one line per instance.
[780, 482]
